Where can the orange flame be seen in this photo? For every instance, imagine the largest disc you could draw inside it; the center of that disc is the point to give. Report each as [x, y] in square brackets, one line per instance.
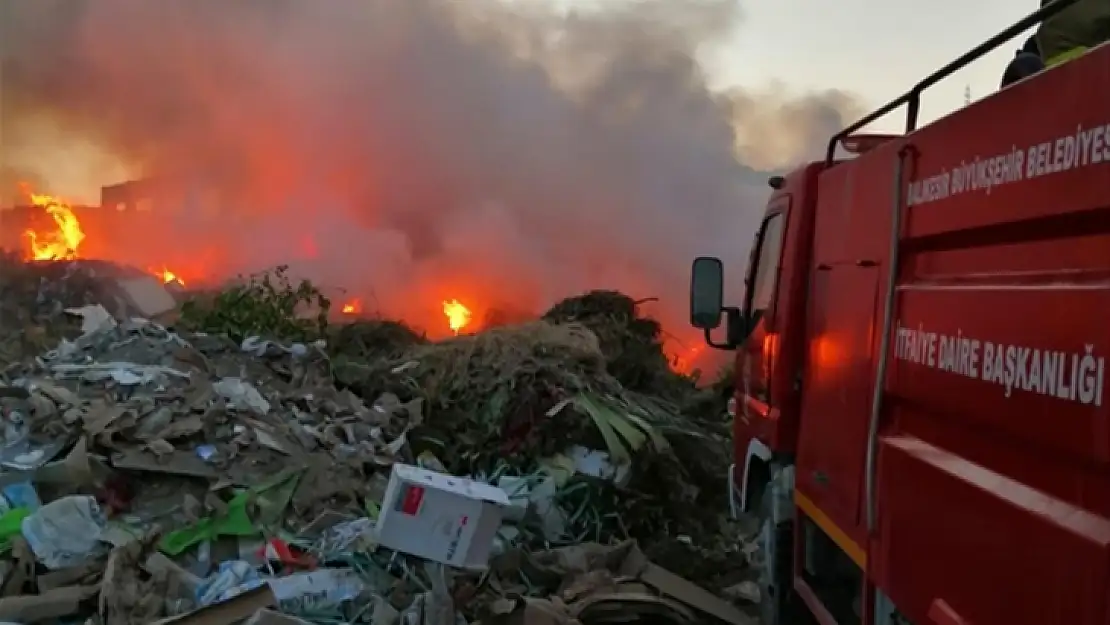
[458, 316]
[167, 276]
[683, 361]
[64, 242]
[352, 307]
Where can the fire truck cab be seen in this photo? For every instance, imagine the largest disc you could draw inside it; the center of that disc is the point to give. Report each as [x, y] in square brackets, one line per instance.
[920, 415]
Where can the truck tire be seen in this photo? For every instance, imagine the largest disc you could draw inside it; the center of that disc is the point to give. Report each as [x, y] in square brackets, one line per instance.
[778, 603]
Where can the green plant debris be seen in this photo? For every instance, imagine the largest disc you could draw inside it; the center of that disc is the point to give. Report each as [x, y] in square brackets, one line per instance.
[267, 304]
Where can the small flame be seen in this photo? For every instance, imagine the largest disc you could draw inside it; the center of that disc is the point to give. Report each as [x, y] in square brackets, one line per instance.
[352, 307]
[167, 276]
[63, 242]
[683, 362]
[458, 316]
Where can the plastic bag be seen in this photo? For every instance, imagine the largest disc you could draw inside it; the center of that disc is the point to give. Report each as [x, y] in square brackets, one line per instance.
[65, 532]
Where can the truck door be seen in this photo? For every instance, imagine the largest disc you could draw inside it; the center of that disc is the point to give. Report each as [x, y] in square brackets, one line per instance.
[837, 384]
[757, 355]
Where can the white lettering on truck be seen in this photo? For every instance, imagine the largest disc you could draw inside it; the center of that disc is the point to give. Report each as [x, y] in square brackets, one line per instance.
[1084, 147]
[1075, 376]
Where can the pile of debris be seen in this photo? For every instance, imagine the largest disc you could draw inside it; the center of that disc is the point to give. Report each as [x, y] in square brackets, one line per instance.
[537, 399]
[153, 475]
[34, 297]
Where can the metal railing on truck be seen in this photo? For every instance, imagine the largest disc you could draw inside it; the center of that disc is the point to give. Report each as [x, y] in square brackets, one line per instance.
[912, 99]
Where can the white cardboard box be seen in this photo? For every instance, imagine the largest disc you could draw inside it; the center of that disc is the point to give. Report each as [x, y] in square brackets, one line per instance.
[443, 518]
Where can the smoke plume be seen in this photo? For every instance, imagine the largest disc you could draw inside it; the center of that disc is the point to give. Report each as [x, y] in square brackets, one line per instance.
[502, 153]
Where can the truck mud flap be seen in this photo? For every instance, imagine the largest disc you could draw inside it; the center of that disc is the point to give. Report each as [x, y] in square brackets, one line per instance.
[995, 550]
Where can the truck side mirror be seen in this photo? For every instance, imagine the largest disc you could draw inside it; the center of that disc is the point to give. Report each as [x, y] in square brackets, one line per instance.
[707, 283]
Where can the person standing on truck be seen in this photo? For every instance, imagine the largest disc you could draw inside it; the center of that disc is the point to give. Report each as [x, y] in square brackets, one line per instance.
[1060, 38]
[1073, 31]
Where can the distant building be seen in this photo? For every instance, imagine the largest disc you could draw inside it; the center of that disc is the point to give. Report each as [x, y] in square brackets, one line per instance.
[128, 196]
[163, 196]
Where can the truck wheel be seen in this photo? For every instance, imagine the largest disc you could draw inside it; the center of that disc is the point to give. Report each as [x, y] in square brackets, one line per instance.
[778, 603]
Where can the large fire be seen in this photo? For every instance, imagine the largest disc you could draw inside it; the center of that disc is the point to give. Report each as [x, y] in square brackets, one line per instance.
[64, 240]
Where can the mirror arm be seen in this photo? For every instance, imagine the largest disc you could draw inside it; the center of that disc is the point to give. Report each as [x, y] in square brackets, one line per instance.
[731, 312]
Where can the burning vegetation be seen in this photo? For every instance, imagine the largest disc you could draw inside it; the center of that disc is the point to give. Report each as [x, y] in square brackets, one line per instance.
[62, 240]
[271, 303]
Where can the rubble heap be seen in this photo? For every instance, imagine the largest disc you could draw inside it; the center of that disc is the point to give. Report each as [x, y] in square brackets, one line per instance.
[34, 297]
[152, 474]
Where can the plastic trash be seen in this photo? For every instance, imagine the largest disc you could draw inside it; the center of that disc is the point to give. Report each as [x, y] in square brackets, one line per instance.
[230, 579]
[15, 428]
[257, 346]
[94, 318]
[344, 536]
[241, 395]
[19, 495]
[65, 532]
[123, 373]
[317, 591]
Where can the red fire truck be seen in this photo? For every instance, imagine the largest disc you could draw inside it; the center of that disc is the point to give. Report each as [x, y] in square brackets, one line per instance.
[921, 409]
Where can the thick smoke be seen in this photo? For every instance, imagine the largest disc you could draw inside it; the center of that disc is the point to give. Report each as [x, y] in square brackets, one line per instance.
[413, 151]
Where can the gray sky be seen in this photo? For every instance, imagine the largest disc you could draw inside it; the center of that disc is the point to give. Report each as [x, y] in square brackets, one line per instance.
[876, 48]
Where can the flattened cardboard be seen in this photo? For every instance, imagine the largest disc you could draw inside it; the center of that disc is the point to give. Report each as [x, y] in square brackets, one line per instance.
[148, 295]
[67, 577]
[57, 603]
[233, 610]
[269, 617]
[175, 463]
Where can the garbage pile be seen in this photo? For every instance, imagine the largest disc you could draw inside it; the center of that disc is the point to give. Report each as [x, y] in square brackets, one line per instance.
[537, 398]
[157, 475]
[34, 296]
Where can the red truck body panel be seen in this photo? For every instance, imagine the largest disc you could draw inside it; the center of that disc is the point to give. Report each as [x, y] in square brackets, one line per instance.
[992, 478]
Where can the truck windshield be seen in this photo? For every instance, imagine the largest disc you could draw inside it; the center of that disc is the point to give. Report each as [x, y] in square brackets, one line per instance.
[766, 269]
